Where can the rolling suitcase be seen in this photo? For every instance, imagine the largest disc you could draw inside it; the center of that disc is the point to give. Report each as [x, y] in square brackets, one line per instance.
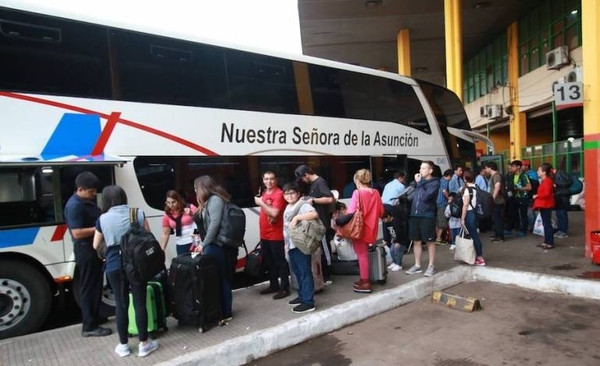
[155, 306]
[377, 264]
[195, 291]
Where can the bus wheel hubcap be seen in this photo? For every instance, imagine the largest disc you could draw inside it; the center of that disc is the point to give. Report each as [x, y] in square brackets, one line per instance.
[14, 302]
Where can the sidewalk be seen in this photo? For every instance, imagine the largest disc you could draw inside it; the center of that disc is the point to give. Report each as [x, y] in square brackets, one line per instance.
[262, 325]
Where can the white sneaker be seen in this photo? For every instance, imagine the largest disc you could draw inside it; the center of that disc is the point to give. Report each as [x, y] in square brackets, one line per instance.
[396, 268]
[123, 350]
[392, 266]
[452, 247]
[147, 348]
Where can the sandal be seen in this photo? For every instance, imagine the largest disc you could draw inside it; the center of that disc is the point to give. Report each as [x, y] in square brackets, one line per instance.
[547, 246]
[539, 245]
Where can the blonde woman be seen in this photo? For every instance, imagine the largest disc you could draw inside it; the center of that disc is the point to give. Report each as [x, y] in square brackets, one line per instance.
[372, 209]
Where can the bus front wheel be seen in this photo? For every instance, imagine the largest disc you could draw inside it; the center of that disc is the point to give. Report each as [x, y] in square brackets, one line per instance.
[25, 299]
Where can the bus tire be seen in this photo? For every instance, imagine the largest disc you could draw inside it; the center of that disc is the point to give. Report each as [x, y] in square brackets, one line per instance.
[107, 305]
[25, 299]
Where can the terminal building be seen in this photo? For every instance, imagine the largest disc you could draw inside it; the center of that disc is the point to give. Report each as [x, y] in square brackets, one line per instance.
[525, 70]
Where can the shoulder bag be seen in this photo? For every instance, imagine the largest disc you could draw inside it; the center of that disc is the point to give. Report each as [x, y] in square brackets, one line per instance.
[354, 228]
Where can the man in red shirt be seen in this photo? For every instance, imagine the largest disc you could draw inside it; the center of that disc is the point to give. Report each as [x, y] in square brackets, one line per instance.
[272, 205]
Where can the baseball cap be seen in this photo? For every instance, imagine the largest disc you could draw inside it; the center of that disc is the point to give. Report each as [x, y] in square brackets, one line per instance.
[526, 162]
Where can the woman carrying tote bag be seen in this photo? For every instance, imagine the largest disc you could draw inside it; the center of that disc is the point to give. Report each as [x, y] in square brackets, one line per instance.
[368, 201]
[468, 218]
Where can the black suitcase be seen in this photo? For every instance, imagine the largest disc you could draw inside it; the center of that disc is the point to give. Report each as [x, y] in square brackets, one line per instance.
[195, 291]
[344, 268]
[377, 264]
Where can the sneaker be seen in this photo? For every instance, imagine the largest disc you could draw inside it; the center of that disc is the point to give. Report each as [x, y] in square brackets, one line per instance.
[441, 242]
[295, 302]
[364, 287]
[281, 295]
[122, 350]
[560, 235]
[521, 234]
[303, 308]
[391, 266]
[508, 232]
[452, 247]
[147, 348]
[414, 270]
[480, 262]
[497, 240]
[429, 272]
[328, 282]
[268, 290]
[396, 268]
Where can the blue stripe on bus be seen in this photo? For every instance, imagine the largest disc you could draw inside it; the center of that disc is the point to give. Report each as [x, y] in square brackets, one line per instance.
[18, 237]
[76, 134]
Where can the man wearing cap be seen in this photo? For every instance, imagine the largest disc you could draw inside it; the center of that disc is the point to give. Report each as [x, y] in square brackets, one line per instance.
[535, 183]
[517, 189]
[320, 196]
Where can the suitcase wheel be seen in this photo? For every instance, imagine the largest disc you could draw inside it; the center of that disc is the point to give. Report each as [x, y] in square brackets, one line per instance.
[201, 330]
[382, 282]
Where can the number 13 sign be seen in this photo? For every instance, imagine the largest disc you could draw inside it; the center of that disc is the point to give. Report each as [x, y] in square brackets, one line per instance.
[567, 95]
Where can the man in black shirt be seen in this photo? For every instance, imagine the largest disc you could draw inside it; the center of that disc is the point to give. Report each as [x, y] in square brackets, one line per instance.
[81, 214]
[321, 198]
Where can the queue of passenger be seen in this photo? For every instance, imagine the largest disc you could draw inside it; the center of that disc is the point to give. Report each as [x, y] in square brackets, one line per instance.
[419, 217]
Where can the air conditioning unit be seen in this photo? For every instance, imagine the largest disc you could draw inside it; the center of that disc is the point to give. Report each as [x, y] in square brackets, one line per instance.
[557, 58]
[483, 111]
[575, 75]
[494, 111]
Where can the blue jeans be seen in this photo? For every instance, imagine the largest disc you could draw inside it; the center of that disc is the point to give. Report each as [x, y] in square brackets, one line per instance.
[397, 253]
[301, 266]
[472, 224]
[562, 216]
[454, 232]
[120, 286]
[225, 276]
[182, 249]
[546, 214]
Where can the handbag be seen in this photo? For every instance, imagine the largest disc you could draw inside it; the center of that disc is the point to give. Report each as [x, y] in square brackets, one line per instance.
[354, 228]
[465, 250]
[254, 264]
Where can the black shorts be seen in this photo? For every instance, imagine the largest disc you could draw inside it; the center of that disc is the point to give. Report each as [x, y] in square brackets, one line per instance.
[422, 229]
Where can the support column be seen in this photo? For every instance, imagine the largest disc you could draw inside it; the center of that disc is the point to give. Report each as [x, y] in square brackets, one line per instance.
[518, 123]
[590, 23]
[403, 44]
[454, 56]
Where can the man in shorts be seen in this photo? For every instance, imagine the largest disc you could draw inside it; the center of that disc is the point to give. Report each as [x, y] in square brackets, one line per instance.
[422, 217]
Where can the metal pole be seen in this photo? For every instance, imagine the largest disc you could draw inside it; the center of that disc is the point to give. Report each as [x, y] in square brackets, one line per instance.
[554, 134]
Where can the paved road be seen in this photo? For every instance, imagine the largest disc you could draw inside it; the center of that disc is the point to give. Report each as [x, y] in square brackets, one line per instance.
[516, 327]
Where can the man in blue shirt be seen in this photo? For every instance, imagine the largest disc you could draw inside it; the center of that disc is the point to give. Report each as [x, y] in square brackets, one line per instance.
[457, 182]
[81, 214]
[441, 222]
[391, 192]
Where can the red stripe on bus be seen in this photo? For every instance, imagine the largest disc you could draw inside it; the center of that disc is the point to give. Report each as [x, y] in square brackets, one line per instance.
[111, 122]
[59, 233]
[136, 125]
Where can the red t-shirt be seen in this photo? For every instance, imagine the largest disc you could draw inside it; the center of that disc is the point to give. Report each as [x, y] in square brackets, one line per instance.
[272, 229]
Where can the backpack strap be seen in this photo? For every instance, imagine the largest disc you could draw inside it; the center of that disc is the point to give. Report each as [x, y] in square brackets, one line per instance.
[133, 217]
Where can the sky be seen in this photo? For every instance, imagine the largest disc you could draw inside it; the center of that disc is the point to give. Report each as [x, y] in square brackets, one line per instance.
[263, 24]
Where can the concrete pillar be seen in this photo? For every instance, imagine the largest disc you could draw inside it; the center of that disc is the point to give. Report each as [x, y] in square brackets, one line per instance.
[403, 44]
[590, 29]
[454, 56]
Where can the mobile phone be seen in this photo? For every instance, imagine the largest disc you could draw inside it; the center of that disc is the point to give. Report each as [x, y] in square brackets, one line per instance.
[260, 188]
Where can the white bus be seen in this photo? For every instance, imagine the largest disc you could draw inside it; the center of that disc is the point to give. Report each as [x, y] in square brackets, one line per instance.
[151, 112]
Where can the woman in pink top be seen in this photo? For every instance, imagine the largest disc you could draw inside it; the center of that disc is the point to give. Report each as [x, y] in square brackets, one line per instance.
[372, 209]
[179, 219]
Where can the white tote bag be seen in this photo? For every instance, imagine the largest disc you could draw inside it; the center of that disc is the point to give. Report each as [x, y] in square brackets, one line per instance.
[465, 250]
[538, 225]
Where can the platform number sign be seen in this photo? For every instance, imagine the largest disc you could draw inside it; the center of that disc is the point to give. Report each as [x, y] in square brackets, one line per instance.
[567, 95]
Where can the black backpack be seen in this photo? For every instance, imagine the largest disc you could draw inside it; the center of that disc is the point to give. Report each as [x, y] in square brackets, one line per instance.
[233, 226]
[483, 207]
[142, 258]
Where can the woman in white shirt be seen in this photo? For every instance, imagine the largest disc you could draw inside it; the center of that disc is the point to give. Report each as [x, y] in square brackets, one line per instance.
[468, 218]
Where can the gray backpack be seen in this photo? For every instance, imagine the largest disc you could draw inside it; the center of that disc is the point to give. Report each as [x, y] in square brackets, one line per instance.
[307, 235]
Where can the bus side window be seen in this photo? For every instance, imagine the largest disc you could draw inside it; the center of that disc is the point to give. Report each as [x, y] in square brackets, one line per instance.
[25, 197]
[49, 55]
